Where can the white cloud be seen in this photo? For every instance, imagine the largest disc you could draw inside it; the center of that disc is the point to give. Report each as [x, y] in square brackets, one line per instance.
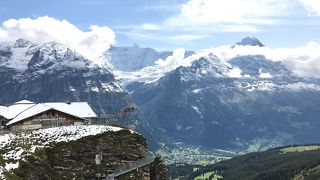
[312, 5]
[304, 61]
[91, 44]
[149, 26]
[240, 11]
[235, 72]
[3, 34]
[203, 18]
[173, 61]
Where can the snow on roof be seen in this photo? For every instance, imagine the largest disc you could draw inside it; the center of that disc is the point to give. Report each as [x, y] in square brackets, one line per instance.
[34, 110]
[18, 108]
[25, 109]
[80, 109]
[10, 112]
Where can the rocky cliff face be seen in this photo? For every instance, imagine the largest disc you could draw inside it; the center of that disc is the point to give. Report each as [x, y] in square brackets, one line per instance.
[53, 72]
[74, 157]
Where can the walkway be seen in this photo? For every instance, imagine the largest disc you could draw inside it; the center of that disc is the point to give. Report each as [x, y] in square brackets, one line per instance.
[131, 167]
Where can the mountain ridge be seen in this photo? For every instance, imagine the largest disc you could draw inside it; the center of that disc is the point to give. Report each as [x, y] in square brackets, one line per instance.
[207, 103]
[249, 41]
[134, 58]
[251, 101]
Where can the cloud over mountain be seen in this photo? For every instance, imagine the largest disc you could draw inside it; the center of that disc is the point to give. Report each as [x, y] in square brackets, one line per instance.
[91, 44]
[303, 60]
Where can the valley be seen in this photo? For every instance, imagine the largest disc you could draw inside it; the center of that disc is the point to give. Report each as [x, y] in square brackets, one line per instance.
[269, 164]
[160, 90]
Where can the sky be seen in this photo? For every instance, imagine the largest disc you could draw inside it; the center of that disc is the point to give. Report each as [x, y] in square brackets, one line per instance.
[162, 24]
[289, 29]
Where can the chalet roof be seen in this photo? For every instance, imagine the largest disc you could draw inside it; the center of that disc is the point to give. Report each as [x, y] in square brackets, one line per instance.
[9, 112]
[25, 109]
[34, 110]
[80, 109]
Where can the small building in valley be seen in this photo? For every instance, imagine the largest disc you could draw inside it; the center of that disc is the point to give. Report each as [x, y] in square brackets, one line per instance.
[29, 115]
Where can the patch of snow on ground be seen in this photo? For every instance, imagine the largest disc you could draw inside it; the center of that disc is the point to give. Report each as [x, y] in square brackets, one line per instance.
[265, 86]
[10, 166]
[258, 86]
[69, 133]
[111, 87]
[95, 89]
[265, 75]
[5, 139]
[270, 86]
[196, 109]
[303, 86]
[13, 154]
[72, 89]
[196, 91]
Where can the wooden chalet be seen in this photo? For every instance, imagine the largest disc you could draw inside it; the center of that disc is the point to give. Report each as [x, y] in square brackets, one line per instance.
[29, 115]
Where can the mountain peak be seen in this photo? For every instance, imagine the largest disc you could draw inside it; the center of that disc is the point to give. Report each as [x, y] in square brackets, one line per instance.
[22, 43]
[250, 41]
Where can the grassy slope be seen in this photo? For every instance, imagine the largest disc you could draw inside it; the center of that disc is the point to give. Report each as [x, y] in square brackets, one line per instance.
[271, 164]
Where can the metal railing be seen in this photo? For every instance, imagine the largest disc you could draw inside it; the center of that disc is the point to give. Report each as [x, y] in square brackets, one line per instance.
[131, 167]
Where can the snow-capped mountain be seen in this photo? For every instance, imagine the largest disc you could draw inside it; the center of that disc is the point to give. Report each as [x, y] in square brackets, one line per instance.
[53, 55]
[154, 72]
[23, 55]
[259, 66]
[54, 72]
[247, 102]
[134, 58]
[250, 41]
[17, 54]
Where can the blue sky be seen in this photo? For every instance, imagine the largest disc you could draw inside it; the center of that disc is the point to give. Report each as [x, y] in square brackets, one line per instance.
[192, 24]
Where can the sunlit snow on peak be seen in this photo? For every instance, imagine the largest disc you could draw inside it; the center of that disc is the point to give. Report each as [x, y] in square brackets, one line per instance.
[152, 73]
